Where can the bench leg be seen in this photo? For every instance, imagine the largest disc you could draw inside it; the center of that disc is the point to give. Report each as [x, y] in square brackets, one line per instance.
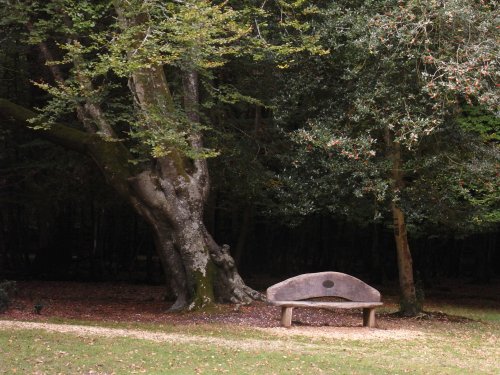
[286, 316]
[369, 318]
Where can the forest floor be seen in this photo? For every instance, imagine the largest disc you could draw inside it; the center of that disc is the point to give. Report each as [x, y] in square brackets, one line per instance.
[127, 303]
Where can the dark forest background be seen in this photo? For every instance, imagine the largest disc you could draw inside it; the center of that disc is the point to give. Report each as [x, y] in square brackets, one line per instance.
[55, 225]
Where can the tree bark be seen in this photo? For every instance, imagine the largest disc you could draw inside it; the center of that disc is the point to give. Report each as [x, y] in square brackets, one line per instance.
[409, 304]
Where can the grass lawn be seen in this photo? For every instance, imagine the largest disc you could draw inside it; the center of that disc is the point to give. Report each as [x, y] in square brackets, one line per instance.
[432, 347]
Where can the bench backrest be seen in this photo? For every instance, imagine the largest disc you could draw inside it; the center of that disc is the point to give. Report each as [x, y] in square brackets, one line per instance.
[323, 284]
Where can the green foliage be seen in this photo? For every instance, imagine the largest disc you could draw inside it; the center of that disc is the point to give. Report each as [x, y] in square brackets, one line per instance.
[191, 34]
[99, 50]
[380, 80]
[451, 171]
[98, 45]
[478, 120]
[411, 62]
[159, 135]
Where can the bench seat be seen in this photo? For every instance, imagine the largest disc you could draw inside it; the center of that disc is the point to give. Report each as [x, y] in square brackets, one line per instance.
[295, 291]
[327, 305]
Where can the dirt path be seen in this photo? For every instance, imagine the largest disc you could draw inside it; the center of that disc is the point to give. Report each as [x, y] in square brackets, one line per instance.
[347, 333]
[279, 338]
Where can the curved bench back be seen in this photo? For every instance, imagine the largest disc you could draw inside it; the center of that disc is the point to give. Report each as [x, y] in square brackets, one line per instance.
[323, 284]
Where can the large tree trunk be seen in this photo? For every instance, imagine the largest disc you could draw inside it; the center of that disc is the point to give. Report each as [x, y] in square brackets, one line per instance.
[409, 304]
[171, 199]
[200, 270]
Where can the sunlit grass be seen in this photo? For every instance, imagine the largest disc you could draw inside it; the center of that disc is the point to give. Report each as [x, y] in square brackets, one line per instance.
[474, 313]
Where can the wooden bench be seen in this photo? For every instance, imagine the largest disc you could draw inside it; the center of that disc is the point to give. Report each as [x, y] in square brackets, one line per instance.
[292, 293]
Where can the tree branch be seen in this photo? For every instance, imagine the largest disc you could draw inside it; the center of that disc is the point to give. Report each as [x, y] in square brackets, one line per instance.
[63, 135]
[112, 158]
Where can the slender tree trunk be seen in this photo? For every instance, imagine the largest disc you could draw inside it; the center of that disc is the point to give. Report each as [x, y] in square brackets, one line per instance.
[409, 306]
